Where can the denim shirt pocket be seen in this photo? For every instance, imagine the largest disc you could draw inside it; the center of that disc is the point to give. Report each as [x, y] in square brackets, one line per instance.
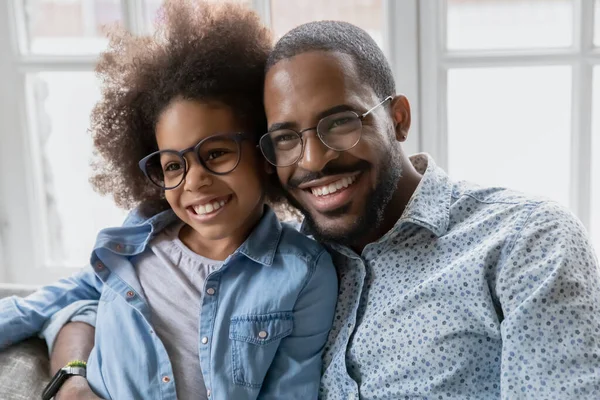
[254, 341]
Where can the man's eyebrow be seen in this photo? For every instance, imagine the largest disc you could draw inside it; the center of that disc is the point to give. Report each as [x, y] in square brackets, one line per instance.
[322, 114]
[281, 125]
[335, 110]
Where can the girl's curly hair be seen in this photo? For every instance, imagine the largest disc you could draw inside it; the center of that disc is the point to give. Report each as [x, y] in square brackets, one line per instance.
[202, 51]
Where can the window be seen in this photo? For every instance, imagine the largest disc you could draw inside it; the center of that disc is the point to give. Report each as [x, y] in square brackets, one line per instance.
[71, 27]
[368, 14]
[507, 96]
[50, 216]
[503, 92]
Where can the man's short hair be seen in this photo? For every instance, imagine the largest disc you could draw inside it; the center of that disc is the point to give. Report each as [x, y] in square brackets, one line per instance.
[341, 37]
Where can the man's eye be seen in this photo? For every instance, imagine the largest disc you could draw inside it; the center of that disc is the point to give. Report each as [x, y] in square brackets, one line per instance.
[336, 123]
[285, 138]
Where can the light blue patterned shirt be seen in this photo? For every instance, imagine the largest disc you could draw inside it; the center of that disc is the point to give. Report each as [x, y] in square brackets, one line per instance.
[476, 293]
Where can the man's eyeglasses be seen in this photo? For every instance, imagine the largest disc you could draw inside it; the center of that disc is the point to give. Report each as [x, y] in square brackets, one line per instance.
[218, 154]
[340, 131]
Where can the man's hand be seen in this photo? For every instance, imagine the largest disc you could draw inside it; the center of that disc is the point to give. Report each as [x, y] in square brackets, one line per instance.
[76, 388]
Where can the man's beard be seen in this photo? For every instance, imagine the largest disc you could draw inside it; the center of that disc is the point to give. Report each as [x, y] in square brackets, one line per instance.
[390, 171]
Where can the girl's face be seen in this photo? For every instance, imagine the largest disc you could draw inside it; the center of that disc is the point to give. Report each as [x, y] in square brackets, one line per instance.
[216, 207]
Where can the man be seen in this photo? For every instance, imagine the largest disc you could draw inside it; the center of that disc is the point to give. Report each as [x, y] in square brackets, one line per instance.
[447, 290]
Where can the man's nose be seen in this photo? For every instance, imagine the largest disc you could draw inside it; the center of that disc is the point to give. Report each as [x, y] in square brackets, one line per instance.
[316, 155]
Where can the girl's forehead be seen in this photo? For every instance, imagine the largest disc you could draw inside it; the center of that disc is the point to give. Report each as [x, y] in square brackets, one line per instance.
[185, 122]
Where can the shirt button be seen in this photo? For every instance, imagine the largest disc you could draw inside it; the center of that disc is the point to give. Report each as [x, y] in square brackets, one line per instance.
[210, 291]
[207, 392]
[166, 379]
[263, 334]
[204, 340]
[130, 294]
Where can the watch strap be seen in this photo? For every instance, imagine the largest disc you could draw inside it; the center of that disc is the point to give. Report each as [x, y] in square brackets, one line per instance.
[76, 368]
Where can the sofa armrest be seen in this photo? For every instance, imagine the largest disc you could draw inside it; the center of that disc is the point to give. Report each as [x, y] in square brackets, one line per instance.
[24, 370]
[7, 290]
[24, 367]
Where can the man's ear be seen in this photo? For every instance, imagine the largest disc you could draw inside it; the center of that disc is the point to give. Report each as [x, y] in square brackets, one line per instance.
[401, 117]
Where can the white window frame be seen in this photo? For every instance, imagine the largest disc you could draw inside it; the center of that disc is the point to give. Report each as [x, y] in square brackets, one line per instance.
[21, 208]
[436, 60]
[22, 216]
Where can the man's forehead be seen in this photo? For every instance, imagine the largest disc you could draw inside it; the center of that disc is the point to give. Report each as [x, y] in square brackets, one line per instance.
[312, 82]
[312, 66]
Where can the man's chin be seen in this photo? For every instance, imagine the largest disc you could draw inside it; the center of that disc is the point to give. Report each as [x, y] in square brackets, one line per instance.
[337, 226]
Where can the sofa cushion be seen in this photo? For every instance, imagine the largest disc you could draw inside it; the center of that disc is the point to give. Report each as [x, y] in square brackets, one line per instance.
[24, 370]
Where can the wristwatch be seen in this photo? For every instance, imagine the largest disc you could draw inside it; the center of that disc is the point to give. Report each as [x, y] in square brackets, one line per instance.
[74, 368]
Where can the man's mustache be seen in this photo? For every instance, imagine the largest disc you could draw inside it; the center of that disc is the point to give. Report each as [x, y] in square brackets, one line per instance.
[299, 179]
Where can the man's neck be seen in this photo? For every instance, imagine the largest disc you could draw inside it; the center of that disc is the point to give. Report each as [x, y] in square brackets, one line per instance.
[395, 208]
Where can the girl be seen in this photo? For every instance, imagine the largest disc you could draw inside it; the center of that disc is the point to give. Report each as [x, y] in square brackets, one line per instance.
[202, 293]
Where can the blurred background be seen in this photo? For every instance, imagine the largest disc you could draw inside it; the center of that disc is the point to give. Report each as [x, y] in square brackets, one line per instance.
[504, 92]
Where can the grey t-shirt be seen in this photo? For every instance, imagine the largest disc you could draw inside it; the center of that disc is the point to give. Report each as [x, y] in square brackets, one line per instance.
[172, 277]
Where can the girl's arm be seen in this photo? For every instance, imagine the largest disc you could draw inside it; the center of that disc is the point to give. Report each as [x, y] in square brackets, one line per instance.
[24, 317]
[296, 370]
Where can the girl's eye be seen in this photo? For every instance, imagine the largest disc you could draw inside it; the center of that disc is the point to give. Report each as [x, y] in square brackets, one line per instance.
[215, 154]
[172, 167]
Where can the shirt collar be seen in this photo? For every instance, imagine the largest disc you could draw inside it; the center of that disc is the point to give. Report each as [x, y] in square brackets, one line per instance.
[262, 243]
[429, 206]
[137, 231]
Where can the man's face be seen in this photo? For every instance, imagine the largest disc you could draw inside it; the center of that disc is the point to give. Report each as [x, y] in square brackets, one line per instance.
[343, 195]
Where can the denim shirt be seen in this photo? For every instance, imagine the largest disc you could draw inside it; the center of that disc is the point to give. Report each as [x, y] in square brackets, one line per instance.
[262, 329]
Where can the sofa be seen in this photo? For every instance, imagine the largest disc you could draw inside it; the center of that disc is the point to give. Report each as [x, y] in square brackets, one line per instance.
[24, 367]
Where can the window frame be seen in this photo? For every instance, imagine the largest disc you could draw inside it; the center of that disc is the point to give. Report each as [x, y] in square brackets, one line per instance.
[582, 56]
[23, 225]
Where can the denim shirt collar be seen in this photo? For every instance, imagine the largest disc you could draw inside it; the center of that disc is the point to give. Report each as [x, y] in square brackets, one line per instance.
[262, 243]
[137, 231]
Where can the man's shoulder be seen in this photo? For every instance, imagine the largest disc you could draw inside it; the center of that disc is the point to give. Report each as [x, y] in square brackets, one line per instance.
[494, 195]
[510, 206]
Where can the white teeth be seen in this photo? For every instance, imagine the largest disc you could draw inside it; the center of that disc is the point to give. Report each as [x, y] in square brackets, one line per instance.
[334, 186]
[208, 208]
[200, 210]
